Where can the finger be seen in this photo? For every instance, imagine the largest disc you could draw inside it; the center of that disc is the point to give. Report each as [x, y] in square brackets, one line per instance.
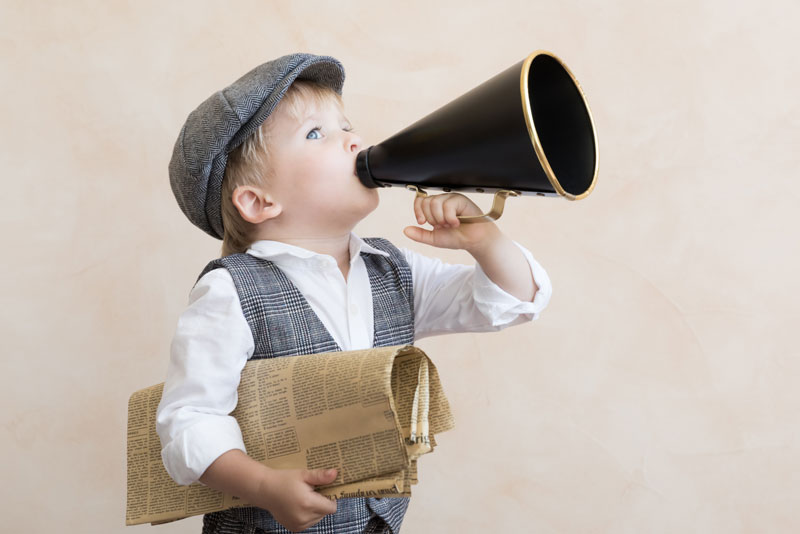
[450, 209]
[426, 210]
[321, 505]
[420, 235]
[437, 211]
[319, 477]
[328, 506]
[313, 520]
[418, 210]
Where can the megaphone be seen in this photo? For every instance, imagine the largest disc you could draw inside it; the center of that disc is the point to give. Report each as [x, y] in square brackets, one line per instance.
[526, 131]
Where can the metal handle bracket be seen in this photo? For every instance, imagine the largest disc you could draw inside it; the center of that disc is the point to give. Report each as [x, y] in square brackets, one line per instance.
[497, 205]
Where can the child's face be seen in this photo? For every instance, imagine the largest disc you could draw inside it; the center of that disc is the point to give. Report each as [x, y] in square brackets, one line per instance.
[313, 162]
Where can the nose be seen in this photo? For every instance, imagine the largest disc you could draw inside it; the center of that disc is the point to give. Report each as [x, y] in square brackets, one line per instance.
[353, 142]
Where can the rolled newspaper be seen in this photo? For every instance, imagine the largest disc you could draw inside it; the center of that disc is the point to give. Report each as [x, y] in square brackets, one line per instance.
[369, 413]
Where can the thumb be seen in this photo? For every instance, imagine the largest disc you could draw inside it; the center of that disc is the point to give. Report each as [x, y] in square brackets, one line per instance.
[420, 235]
[320, 477]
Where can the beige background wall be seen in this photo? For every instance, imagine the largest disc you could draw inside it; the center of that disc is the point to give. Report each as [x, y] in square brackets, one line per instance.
[657, 393]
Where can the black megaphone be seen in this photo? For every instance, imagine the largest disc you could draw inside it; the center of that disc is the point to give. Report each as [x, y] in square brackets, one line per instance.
[526, 131]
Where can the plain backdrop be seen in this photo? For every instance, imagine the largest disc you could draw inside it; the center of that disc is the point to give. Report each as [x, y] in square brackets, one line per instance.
[657, 392]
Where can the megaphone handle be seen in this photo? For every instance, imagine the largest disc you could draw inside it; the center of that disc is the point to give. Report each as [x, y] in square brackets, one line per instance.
[497, 205]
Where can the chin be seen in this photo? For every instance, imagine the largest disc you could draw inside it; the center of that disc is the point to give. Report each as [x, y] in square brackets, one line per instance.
[370, 203]
[364, 211]
[376, 200]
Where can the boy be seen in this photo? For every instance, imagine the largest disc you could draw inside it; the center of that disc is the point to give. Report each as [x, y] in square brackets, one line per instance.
[268, 166]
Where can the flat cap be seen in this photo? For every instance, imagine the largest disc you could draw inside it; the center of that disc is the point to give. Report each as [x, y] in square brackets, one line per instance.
[225, 120]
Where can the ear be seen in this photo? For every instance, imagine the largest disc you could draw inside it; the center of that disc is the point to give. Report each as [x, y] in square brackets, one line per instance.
[254, 204]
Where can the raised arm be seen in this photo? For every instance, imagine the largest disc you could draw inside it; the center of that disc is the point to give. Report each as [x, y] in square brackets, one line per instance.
[506, 287]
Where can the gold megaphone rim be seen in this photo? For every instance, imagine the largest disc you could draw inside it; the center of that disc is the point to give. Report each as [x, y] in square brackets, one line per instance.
[537, 145]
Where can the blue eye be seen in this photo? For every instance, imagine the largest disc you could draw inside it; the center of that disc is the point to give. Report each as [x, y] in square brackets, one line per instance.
[314, 134]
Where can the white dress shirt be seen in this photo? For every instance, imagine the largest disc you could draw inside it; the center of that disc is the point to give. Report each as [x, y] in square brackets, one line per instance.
[213, 341]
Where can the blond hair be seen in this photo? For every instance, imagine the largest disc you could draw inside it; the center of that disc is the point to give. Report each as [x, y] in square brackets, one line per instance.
[248, 164]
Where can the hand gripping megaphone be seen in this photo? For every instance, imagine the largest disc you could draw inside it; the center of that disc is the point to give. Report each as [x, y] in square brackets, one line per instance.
[526, 131]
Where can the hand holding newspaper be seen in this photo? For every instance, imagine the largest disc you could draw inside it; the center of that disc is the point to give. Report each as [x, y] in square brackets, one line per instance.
[369, 413]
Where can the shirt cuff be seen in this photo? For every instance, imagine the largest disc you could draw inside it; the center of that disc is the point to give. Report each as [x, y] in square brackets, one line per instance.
[499, 306]
[188, 456]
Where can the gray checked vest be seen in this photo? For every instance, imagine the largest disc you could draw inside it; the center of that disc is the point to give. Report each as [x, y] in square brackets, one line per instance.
[283, 324]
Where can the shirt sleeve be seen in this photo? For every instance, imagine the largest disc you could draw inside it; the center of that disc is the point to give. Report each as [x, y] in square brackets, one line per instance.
[211, 345]
[450, 298]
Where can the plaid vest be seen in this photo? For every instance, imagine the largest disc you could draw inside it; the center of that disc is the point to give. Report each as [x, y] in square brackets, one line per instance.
[283, 324]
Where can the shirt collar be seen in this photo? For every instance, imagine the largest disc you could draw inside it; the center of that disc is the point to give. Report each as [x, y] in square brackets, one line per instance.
[278, 251]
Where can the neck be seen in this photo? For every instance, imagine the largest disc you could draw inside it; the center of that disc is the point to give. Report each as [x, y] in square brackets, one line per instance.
[336, 246]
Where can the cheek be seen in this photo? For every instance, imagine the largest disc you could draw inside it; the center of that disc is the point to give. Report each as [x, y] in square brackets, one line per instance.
[304, 174]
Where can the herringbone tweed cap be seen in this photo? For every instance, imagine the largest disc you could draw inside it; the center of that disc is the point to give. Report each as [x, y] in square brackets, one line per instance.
[225, 120]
